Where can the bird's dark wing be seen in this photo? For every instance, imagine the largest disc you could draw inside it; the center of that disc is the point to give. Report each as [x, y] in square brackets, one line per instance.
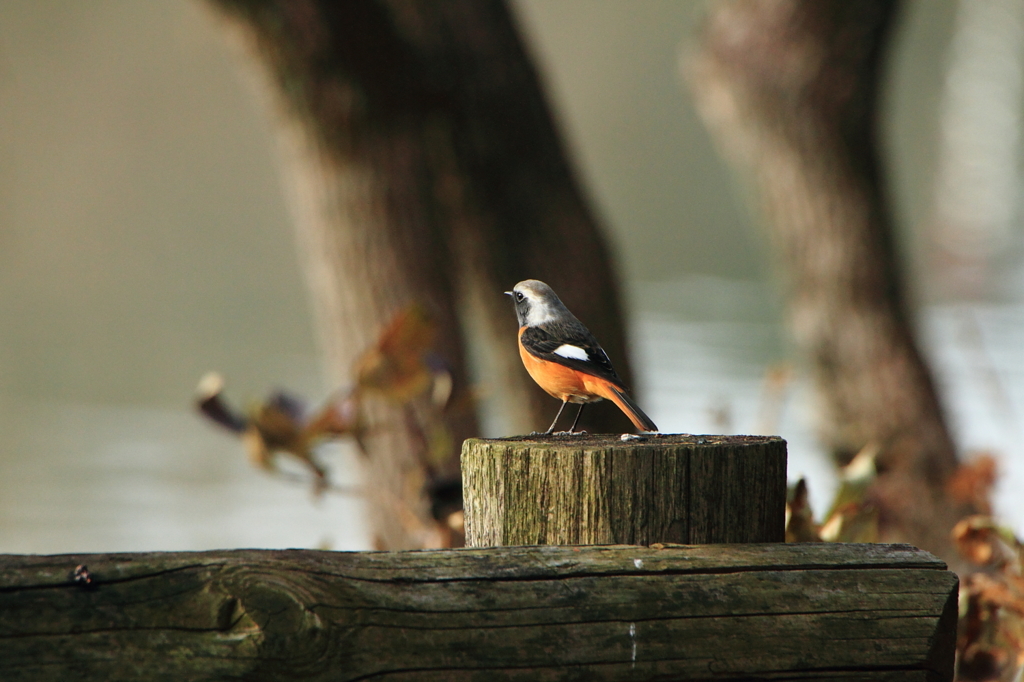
[572, 346]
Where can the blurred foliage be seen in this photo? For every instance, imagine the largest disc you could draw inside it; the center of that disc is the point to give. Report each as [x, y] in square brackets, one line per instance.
[990, 642]
[281, 424]
[400, 369]
[852, 517]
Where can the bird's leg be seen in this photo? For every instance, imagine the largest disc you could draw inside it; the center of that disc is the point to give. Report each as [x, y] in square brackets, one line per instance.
[552, 427]
[572, 429]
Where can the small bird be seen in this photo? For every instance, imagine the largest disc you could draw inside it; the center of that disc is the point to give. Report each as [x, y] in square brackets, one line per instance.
[564, 358]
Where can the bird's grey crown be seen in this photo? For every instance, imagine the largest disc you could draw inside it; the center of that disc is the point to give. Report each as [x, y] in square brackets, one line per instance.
[538, 304]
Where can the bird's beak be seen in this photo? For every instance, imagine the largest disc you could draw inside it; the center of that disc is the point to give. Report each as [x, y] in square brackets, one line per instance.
[508, 293]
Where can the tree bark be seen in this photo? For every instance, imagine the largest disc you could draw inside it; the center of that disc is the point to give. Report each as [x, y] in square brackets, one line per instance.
[722, 612]
[597, 490]
[790, 89]
[423, 164]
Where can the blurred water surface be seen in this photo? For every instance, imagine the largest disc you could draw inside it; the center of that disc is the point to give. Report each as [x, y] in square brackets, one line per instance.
[79, 478]
[144, 239]
[114, 478]
[707, 353]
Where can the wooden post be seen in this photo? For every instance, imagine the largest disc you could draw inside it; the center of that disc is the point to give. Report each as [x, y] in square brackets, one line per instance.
[729, 612]
[599, 490]
[726, 612]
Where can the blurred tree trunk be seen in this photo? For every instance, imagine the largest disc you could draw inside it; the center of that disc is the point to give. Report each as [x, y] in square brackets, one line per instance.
[790, 90]
[423, 164]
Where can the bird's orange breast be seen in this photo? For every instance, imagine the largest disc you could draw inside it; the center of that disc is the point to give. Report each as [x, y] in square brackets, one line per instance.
[559, 381]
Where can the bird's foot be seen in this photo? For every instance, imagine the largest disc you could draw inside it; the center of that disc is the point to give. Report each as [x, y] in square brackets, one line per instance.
[581, 432]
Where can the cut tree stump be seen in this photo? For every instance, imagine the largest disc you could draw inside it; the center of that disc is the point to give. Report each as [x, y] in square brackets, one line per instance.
[710, 612]
[598, 490]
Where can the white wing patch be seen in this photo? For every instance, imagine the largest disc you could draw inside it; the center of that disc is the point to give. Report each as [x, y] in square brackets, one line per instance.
[567, 350]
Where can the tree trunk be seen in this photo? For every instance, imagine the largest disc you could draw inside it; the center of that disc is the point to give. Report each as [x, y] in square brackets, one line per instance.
[714, 612]
[423, 164]
[790, 90]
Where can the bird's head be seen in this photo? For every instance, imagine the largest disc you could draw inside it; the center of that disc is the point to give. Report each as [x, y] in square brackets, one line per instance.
[536, 303]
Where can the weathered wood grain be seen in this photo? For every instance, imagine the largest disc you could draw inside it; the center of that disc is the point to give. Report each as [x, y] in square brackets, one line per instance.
[598, 490]
[772, 611]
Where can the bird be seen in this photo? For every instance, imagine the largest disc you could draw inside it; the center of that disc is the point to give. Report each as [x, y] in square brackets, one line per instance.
[564, 358]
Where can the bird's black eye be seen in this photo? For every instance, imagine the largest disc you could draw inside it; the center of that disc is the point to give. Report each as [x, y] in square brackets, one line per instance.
[519, 296]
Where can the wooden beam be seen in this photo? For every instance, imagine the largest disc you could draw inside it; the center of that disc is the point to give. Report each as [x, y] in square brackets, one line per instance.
[594, 490]
[723, 612]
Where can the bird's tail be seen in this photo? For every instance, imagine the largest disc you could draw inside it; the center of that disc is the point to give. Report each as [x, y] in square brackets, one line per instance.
[631, 409]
